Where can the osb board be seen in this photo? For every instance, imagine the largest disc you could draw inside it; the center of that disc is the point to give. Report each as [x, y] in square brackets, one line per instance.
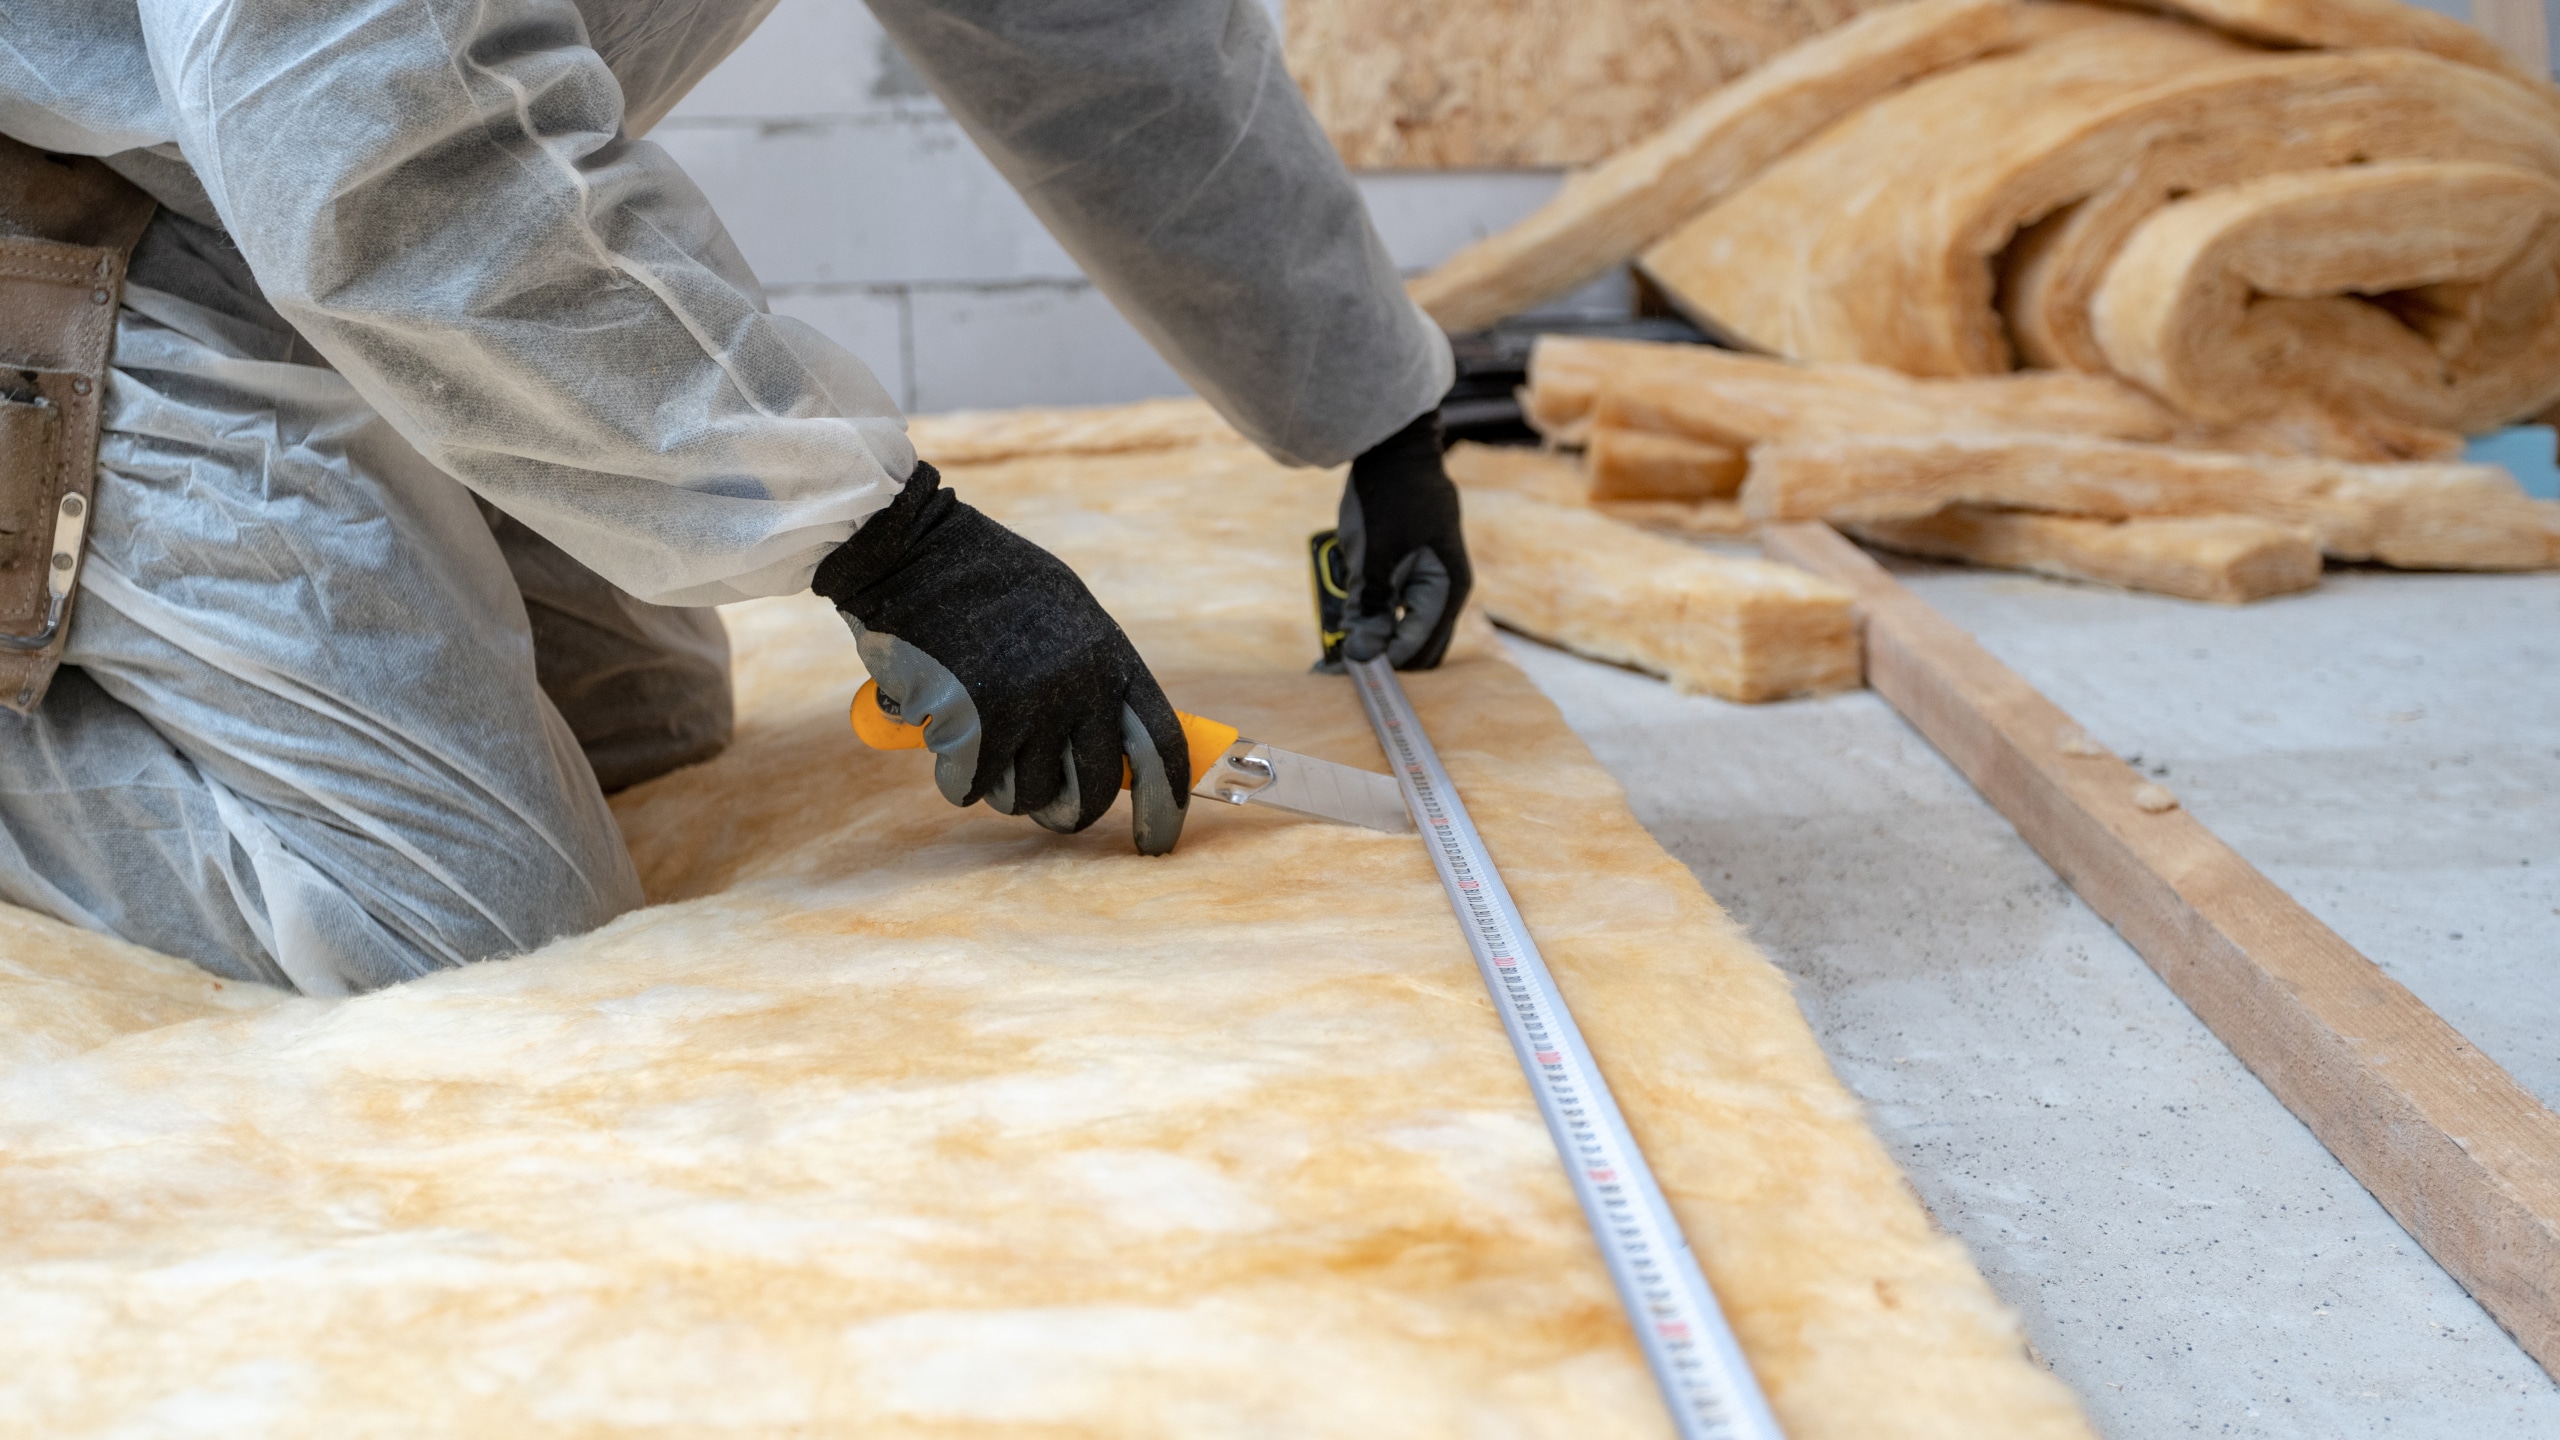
[895, 1120]
[1426, 84]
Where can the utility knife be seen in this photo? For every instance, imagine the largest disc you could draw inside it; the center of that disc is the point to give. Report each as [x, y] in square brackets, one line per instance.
[1224, 766]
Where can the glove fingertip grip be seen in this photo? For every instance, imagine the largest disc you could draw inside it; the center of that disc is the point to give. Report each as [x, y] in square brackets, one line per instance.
[1156, 808]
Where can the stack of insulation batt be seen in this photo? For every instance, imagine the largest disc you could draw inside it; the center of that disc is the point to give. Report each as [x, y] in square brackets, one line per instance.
[2181, 302]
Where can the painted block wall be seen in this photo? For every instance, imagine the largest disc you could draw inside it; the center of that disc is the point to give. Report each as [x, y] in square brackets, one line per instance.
[867, 213]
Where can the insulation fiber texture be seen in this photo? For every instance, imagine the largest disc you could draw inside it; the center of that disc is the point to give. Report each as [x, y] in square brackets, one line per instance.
[892, 1119]
[1746, 630]
[2112, 194]
[1418, 84]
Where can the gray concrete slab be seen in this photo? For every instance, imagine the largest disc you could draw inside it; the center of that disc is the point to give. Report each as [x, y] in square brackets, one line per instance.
[2386, 748]
[2184, 1253]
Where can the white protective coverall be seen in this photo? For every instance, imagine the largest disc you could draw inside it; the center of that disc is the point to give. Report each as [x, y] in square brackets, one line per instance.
[438, 398]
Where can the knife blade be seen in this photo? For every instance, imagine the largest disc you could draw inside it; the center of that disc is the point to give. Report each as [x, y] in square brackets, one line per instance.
[1252, 773]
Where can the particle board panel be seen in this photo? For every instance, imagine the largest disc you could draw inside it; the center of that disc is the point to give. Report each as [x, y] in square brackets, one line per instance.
[2462, 1156]
[893, 1119]
[1429, 84]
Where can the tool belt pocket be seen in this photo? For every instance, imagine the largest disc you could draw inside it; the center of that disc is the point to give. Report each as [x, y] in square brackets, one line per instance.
[58, 298]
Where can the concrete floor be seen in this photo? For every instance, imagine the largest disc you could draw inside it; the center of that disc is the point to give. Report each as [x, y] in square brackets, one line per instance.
[2185, 1254]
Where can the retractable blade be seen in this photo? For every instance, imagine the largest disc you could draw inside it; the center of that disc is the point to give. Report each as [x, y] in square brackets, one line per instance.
[1249, 772]
[1224, 766]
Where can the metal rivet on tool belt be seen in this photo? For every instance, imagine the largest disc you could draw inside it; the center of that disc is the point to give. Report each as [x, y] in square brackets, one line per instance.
[72, 505]
[97, 297]
[62, 560]
[80, 387]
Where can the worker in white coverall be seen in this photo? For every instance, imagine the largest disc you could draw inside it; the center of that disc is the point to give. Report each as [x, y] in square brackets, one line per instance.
[440, 406]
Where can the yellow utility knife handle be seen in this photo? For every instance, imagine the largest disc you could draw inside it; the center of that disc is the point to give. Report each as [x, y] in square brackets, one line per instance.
[879, 730]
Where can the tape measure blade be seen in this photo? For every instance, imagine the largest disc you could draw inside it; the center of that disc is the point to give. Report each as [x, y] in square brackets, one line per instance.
[1705, 1382]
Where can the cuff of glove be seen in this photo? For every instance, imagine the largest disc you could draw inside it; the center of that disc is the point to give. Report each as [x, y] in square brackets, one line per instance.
[885, 542]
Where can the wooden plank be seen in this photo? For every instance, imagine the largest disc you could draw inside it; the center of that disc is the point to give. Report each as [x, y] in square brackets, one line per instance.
[2460, 1154]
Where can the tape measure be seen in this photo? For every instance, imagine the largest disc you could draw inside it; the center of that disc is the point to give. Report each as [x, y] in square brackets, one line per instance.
[1705, 1382]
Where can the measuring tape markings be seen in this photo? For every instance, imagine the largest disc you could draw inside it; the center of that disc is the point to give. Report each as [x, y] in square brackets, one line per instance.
[1705, 1382]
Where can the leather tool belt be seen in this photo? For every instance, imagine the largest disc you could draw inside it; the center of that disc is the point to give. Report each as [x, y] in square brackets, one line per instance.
[66, 226]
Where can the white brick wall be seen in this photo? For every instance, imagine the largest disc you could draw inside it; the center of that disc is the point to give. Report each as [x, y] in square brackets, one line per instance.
[867, 213]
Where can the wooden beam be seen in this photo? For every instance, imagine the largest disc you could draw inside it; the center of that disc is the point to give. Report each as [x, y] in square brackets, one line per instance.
[2460, 1154]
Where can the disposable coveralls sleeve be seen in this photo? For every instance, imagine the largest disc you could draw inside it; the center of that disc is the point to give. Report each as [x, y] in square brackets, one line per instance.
[1166, 147]
[440, 196]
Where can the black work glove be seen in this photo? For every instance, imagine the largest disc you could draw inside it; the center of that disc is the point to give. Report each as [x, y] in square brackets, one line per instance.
[1403, 553]
[1033, 693]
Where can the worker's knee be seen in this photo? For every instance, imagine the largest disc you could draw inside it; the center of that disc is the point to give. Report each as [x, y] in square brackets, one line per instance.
[645, 688]
[661, 703]
[389, 874]
[352, 916]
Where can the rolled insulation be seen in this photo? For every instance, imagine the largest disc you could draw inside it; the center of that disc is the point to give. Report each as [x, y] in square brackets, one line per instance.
[2424, 293]
[2370, 107]
[1887, 239]
[2353, 24]
[1874, 241]
[1604, 215]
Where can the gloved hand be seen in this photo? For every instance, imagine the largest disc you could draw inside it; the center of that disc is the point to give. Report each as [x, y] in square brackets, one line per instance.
[1034, 693]
[1403, 554]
